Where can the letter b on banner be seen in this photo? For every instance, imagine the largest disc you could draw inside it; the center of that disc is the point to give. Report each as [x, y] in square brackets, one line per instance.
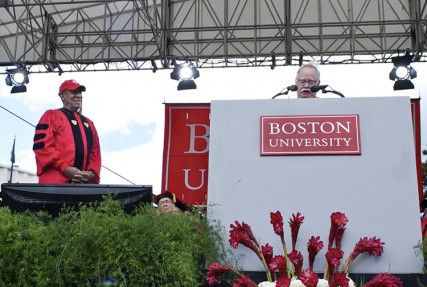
[193, 136]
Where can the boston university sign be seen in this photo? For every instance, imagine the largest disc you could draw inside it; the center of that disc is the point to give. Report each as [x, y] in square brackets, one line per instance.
[310, 134]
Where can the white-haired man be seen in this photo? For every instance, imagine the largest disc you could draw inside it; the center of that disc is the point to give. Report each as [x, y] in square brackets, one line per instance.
[307, 76]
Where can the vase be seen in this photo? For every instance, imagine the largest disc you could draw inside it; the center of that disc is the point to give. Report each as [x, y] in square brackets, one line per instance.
[322, 283]
[294, 283]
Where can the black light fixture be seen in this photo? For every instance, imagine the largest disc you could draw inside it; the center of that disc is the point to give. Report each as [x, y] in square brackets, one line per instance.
[273, 61]
[185, 74]
[17, 79]
[402, 72]
[300, 59]
[154, 65]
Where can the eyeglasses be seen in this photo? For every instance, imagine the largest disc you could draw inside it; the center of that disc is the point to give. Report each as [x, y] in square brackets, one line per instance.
[306, 81]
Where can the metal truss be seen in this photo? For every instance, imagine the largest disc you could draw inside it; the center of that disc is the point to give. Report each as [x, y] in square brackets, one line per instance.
[59, 36]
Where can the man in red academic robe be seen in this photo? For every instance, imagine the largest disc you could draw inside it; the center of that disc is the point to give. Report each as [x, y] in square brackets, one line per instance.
[66, 143]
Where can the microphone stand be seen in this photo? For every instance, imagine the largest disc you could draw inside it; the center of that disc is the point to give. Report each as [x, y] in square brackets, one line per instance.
[12, 159]
[322, 88]
[11, 173]
[324, 91]
[292, 88]
[279, 94]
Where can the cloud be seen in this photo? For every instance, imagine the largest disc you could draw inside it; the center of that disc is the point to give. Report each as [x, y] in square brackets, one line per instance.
[127, 136]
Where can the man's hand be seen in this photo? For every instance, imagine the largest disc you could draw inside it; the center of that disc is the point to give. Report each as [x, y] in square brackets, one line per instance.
[71, 171]
[87, 176]
[78, 176]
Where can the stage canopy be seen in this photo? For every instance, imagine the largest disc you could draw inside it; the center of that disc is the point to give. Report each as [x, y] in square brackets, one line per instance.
[116, 35]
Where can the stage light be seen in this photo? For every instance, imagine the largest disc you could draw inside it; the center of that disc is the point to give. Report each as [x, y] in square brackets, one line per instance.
[185, 74]
[402, 73]
[17, 79]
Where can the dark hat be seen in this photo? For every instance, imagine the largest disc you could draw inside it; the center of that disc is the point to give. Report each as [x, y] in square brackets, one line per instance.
[71, 85]
[167, 194]
[178, 203]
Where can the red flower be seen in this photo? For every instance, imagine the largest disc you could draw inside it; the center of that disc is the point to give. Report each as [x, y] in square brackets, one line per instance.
[295, 223]
[333, 257]
[338, 223]
[215, 270]
[242, 233]
[267, 252]
[339, 219]
[338, 237]
[314, 245]
[283, 281]
[373, 246]
[277, 263]
[277, 221]
[339, 279]
[297, 260]
[244, 281]
[384, 280]
[309, 278]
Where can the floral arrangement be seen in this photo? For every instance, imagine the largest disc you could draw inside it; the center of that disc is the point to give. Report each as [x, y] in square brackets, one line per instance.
[287, 270]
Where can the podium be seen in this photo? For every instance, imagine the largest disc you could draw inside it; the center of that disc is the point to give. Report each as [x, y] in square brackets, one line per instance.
[375, 187]
[52, 197]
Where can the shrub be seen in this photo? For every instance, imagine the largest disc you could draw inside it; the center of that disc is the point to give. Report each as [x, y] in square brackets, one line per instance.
[103, 245]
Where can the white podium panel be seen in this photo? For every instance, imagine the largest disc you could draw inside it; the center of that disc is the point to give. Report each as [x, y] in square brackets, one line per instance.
[377, 189]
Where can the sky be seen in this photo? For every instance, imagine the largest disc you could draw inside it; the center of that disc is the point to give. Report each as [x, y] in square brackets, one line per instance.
[127, 107]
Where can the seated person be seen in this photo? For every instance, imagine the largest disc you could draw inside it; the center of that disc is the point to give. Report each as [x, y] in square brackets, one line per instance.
[168, 203]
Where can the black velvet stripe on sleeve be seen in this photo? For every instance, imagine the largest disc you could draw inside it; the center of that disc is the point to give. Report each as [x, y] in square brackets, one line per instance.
[37, 146]
[39, 137]
[89, 136]
[42, 127]
[78, 139]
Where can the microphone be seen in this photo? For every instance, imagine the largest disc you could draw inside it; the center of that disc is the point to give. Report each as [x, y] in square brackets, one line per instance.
[291, 88]
[315, 89]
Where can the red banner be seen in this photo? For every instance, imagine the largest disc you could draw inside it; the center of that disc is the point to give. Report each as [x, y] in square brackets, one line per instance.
[186, 152]
[416, 124]
[319, 134]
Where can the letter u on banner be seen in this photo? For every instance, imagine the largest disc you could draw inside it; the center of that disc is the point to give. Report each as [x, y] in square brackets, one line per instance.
[186, 152]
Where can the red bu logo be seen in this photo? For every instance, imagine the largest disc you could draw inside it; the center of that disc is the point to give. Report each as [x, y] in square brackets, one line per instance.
[319, 134]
